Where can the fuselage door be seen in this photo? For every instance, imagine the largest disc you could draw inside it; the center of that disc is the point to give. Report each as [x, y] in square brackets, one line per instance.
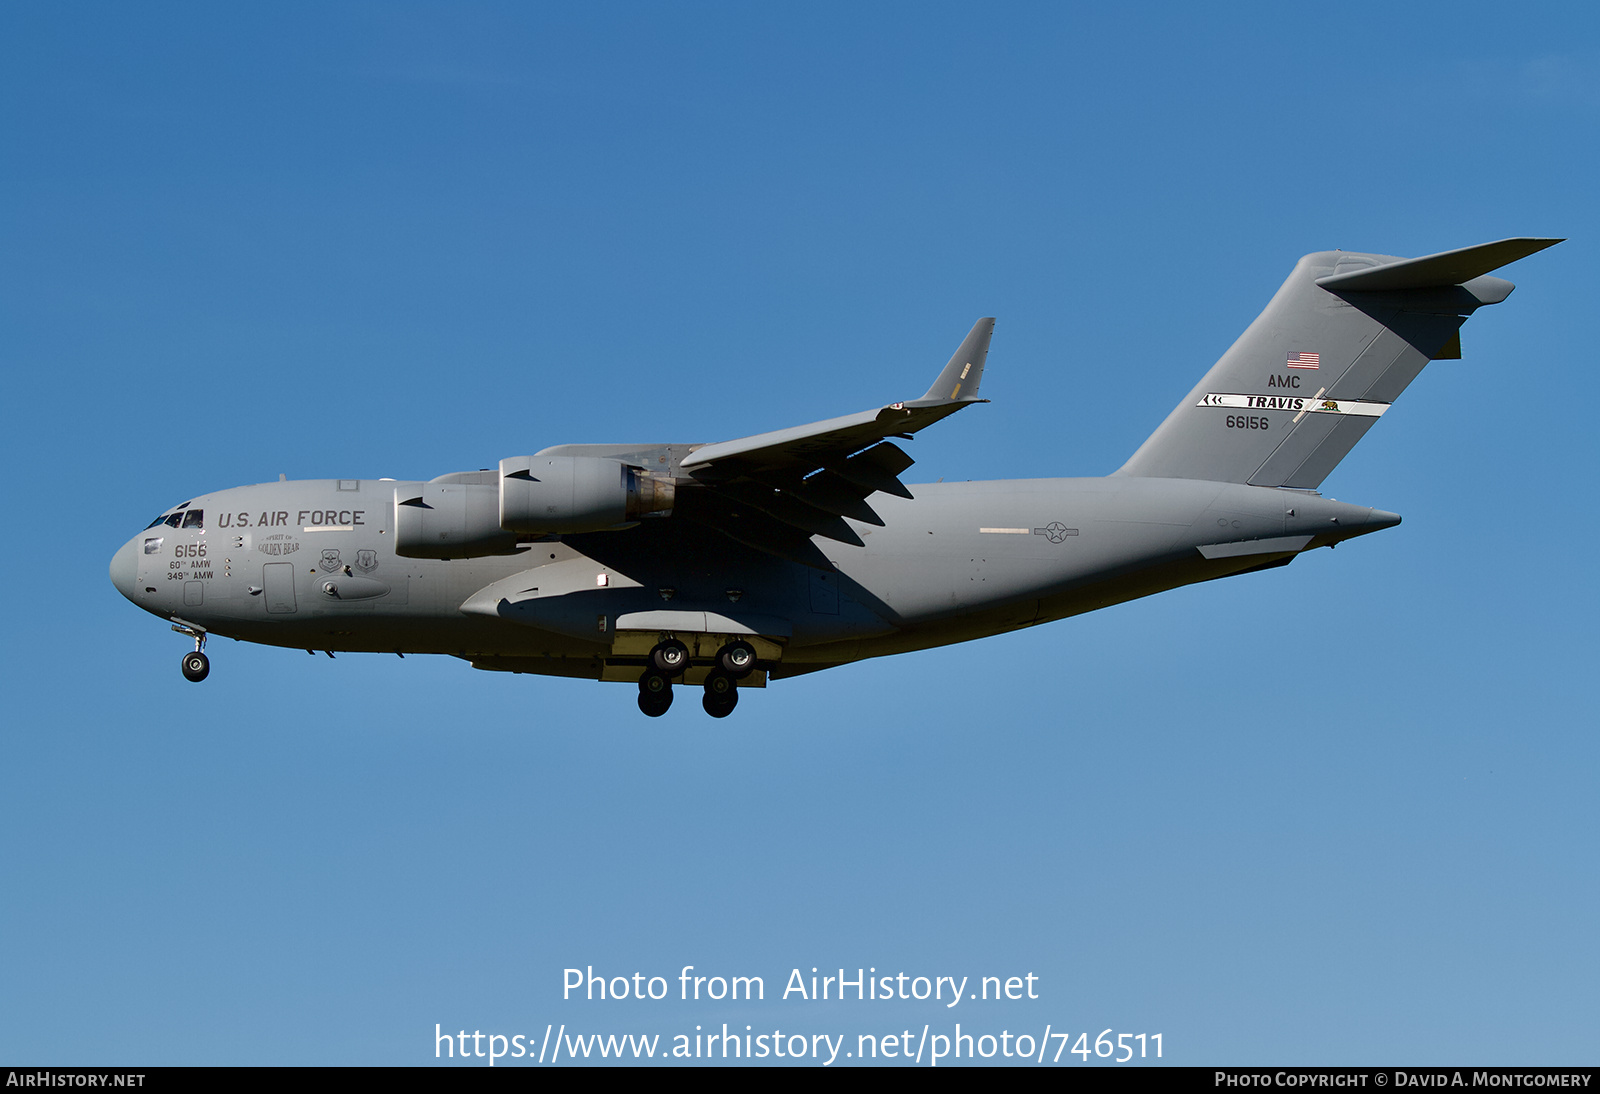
[824, 592]
[277, 583]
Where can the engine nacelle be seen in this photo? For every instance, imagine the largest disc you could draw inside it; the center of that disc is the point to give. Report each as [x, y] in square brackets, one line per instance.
[536, 496]
[559, 494]
[449, 520]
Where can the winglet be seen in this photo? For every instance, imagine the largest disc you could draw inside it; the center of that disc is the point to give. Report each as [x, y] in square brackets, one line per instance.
[961, 376]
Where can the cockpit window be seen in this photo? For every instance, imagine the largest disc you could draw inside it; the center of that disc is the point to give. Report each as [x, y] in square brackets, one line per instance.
[194, 518]
[172, 520]
[159, 520]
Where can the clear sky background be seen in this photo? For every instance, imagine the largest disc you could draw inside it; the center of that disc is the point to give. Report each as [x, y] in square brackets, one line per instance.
[1340, 812]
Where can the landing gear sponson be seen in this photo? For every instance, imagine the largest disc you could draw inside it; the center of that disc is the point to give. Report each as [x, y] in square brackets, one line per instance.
[670, 658]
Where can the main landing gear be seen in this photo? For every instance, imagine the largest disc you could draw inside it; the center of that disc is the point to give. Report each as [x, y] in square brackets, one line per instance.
[655, 692]
[722, 694]
[670, 659]
[737, 659]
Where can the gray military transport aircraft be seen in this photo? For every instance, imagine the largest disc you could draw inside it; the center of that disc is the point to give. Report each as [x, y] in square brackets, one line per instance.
[723, 565]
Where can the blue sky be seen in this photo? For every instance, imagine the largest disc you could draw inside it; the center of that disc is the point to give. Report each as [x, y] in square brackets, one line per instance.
[1340, 812]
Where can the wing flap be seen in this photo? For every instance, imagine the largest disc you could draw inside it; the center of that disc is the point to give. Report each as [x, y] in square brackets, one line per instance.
[784, 506]
[877, 469]
[711, 508]
[832, 493]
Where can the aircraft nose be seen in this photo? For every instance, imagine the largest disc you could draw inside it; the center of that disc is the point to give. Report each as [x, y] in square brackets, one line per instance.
[125, 568]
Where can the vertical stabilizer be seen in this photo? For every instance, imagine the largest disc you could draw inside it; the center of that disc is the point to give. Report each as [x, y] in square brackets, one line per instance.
[1339, 342]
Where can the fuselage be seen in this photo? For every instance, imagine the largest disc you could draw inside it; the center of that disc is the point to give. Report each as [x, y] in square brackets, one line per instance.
[311, 564]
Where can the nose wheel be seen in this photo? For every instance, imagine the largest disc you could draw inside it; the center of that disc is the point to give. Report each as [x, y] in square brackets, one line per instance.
[196, 665]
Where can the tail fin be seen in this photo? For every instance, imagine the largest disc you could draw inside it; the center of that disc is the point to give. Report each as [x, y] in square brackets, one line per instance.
[1339, 342]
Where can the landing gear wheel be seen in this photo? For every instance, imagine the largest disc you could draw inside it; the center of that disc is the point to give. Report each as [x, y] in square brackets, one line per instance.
[737, 659]
[196, 666]
[670, 657]
[722, 694]
[655, 693]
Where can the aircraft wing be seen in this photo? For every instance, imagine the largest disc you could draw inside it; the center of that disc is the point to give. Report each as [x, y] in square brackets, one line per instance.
[774, 491]
[805, 448]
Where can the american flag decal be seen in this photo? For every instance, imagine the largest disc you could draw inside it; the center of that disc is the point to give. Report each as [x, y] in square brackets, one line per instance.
[1304, 360]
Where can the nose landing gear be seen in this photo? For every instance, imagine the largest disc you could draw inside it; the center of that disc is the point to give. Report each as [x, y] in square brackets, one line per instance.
[196, 665]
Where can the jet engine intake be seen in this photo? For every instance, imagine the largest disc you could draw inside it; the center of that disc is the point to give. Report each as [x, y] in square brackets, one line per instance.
[449, 520]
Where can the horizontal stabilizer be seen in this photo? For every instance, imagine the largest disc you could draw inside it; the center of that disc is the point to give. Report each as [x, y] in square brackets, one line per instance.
[1437, 271]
